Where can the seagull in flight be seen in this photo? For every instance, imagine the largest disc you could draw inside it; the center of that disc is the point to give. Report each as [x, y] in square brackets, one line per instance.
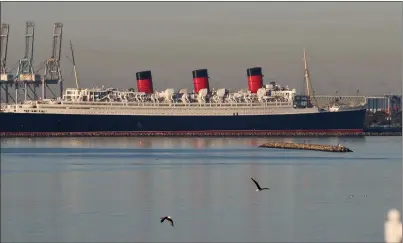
[258, 186]
[169, 219]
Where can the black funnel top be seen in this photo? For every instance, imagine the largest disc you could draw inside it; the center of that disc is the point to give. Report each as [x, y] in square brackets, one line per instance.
[256, 71]
[200, 73]
[143, 75]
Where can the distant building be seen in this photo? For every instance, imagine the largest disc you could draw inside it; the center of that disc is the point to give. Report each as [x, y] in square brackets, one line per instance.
[388, 103]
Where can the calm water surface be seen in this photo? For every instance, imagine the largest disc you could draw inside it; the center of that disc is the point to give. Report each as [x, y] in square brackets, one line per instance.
[115, 190]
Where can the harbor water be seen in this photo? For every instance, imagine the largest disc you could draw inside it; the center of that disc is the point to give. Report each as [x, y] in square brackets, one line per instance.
[116, 190]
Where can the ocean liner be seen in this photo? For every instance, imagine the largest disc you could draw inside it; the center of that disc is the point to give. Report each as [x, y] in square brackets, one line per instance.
[262, 109]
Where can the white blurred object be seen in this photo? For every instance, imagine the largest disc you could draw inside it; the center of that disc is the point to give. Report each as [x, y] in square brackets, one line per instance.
[393, 227]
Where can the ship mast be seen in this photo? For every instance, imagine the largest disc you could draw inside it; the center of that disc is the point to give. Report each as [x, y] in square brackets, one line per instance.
[311, 97]
[307, 80]
[74, 65]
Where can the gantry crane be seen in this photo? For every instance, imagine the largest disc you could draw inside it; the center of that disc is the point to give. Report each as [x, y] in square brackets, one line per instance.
[26, 78]
[53, 74]
[6, 79]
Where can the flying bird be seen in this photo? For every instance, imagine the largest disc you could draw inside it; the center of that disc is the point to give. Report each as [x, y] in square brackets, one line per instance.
[169, 219]
[258, 186]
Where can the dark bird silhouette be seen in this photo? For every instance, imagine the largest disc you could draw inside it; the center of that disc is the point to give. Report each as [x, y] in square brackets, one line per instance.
[169, 219]
[258, 186]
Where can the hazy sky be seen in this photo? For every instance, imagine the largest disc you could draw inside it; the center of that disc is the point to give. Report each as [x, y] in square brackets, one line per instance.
[352, 45]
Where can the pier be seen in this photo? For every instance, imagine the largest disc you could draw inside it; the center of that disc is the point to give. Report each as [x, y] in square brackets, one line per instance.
[304, 146]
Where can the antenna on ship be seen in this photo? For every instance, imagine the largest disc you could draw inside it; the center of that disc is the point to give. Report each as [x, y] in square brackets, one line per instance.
[74, 64]
[308, 84]
[307, 81]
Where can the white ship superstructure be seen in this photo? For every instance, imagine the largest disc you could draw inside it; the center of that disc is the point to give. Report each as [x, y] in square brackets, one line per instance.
[271, 99]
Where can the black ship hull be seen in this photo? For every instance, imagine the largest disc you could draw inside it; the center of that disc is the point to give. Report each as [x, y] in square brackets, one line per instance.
[29, 124]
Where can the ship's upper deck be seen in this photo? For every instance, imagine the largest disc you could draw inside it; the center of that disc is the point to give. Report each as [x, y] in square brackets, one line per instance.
[270, 94]
[270, 99]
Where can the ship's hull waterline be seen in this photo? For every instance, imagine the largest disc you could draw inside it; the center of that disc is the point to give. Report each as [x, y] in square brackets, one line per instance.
[342, 123]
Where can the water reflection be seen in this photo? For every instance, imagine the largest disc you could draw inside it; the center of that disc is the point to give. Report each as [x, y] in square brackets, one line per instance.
[165, 142]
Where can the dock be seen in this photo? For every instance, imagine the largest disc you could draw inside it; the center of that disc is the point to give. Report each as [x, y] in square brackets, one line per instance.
[305, 146]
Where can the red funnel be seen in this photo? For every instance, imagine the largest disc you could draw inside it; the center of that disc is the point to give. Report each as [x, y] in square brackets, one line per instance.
[144, 82]
[200, 80]
[255, 79]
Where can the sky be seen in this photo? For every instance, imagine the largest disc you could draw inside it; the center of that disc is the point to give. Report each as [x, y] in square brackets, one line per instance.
[350, 45]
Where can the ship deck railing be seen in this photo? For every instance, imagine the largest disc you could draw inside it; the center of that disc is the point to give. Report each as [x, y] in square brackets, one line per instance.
[150, 104]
